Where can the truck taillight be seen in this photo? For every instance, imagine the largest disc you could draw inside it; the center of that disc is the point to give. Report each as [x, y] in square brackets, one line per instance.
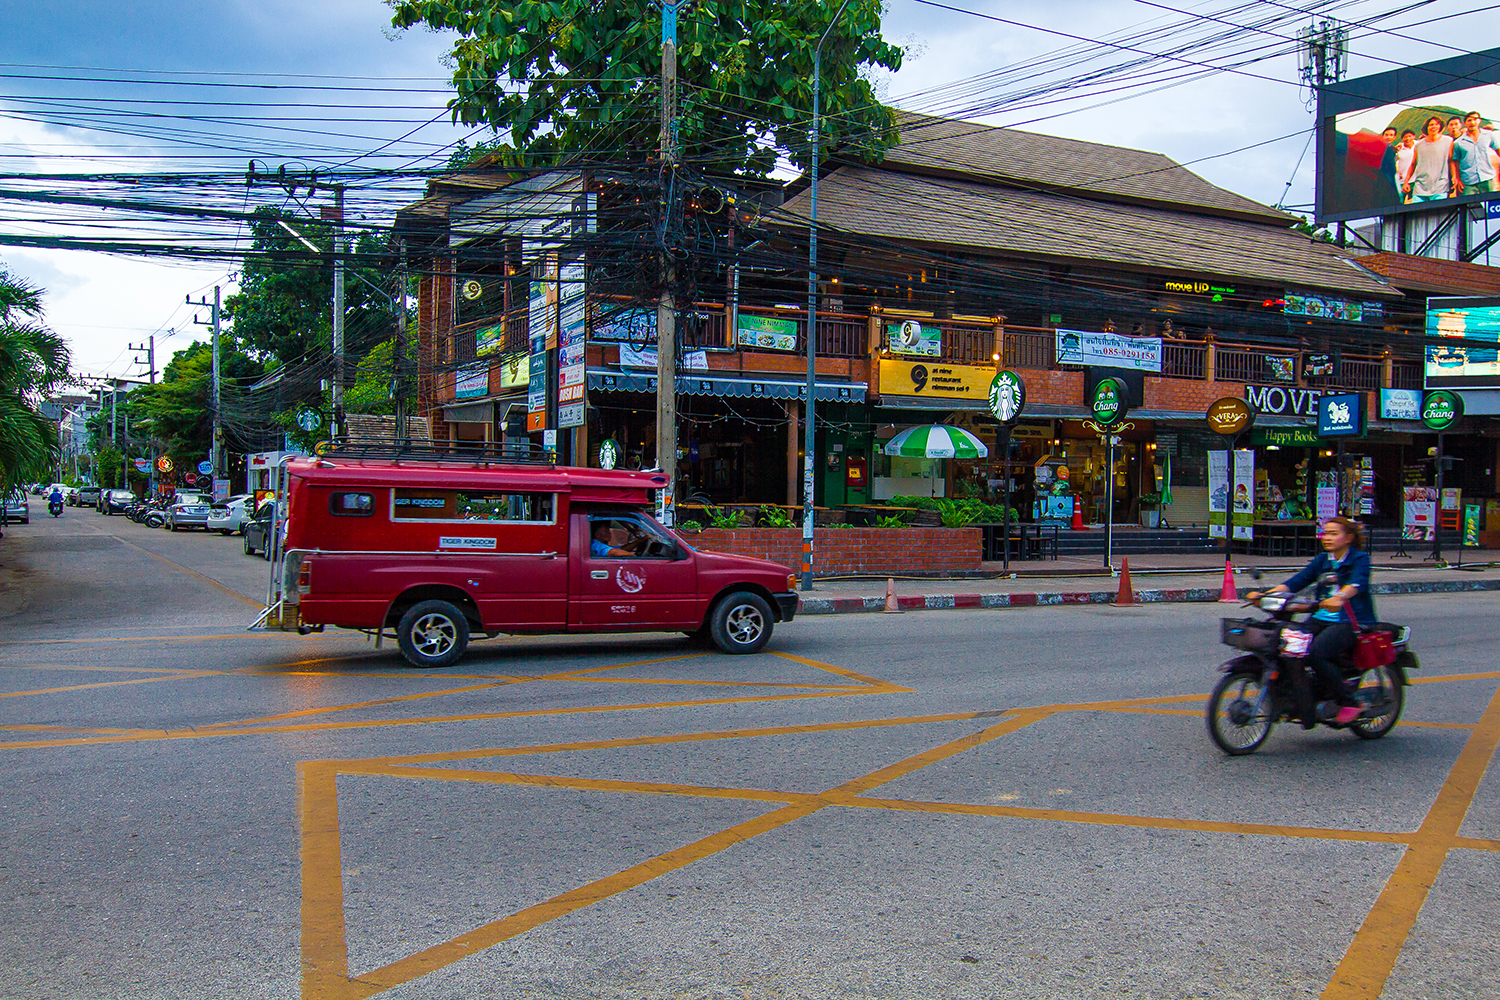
[304, 577]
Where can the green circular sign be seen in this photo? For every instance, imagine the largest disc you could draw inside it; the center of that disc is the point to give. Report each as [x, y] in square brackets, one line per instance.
[1007, 396]
[1440, 408]
[1108, 403]
[609, 453]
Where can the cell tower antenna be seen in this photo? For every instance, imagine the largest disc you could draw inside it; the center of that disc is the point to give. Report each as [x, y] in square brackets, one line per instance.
[1323, 53]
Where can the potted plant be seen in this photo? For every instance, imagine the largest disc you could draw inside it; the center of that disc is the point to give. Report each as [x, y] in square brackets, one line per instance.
[1150, 504]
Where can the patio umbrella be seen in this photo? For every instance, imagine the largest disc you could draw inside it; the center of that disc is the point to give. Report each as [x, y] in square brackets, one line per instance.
[1166, 479]
[936, 441]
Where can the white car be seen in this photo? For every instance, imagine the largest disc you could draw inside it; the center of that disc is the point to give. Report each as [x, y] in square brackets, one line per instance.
[229, 516]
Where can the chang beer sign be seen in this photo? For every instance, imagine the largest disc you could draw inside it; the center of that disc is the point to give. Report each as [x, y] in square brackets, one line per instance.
[1108, 401]
[1441, 408]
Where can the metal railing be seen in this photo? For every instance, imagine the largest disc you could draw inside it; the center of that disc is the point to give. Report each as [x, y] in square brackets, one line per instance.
[1358, 374]
[1030, 350]
[1407, 375]
[1183, 360]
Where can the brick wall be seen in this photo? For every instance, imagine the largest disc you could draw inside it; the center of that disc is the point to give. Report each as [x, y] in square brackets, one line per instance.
[847, 551]
[1054, 386]
[1188, 395]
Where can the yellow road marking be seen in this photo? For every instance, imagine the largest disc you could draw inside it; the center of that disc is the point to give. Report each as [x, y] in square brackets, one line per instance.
[87, 669]
[105, 684]
[325, 967]
[1487, 675]
[1371, 956]
[324, 953]
[396, 699]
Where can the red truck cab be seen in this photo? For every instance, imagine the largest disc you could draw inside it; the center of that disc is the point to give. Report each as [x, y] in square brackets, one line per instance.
[438, 551]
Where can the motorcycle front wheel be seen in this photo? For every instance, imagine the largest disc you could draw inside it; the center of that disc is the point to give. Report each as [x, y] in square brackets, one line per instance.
[1232, 721]
[1381, 690]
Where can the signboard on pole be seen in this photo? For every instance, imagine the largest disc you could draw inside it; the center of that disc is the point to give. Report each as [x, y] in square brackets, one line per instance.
[221, 490]
[1341, 414]
[1108, 401]
[572, 334]
[1219, 500]
[1418, 513]
[1007, 397]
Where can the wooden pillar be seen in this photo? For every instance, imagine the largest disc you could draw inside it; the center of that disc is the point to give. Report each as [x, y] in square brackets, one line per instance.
[1387, 369]
[1208, 362]
[999, 352]
[793, 467]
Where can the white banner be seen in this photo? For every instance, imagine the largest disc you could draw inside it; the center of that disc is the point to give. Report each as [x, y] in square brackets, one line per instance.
[696, 361]
[1108, 350]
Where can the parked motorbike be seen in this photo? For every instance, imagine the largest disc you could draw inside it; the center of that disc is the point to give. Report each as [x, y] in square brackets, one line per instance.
[1272, 681]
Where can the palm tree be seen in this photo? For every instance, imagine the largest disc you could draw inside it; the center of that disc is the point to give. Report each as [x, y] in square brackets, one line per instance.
[33, 362]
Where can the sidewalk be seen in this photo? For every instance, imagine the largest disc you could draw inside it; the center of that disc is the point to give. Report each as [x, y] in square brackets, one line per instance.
[1167, 578]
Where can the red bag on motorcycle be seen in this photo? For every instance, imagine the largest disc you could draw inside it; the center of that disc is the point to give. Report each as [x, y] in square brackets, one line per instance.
[1372, 648]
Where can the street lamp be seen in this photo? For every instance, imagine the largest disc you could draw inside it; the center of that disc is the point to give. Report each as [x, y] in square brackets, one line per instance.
[810, 434]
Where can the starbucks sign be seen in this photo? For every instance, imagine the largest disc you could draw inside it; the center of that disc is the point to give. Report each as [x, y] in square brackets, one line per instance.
[1108, 403]
[1441, 408]
[1007, 396]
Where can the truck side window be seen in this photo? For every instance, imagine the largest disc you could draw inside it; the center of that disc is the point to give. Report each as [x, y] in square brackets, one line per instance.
[483, 505]
[351, 504]
[626, 537]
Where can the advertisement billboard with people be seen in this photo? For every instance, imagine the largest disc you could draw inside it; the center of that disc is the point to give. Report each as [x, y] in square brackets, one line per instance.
[1409, 140]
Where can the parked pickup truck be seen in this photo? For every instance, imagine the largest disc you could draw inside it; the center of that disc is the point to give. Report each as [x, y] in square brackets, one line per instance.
[440, 551]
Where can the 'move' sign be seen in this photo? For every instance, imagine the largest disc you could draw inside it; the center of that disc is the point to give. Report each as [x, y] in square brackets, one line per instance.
[1283, 400]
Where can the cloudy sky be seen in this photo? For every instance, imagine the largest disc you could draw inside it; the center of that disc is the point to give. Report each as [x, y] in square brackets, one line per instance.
[332, 80]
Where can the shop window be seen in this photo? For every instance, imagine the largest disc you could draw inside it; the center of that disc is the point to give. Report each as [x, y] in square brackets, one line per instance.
[343, 504]
[455, 505]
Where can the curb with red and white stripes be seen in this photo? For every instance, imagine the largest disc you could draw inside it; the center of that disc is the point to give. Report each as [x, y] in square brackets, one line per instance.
[1184, 595]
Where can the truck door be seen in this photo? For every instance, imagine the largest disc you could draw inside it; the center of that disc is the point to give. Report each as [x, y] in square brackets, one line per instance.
[630, 575]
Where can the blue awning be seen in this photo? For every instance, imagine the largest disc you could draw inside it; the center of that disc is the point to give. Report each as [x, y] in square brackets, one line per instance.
[707, 384]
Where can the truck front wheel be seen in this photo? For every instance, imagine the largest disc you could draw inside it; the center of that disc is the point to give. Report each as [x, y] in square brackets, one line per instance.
[741, 623]
[432, 634]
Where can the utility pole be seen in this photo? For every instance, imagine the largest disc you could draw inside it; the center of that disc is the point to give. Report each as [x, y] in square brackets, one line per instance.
[215, 447]
[338, 310]
[398, 383]
[666, 307]
[810, 434]
[150, 348]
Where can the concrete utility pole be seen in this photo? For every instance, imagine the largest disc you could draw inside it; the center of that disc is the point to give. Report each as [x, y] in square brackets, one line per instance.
[810, 435]
[215, 447]
[666, 307]
[150, 348]
[398, 362]
[338, 310]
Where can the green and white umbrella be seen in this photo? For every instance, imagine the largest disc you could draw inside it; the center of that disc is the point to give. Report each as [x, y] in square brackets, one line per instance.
[936, 441]
[1166, 479]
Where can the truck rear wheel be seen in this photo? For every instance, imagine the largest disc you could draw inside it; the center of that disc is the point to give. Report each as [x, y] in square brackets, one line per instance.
[741, 623]
[432, 634]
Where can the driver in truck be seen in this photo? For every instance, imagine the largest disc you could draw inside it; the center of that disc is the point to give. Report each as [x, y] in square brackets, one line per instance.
[614, 540]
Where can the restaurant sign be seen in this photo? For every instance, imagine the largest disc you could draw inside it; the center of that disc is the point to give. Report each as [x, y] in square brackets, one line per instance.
[1283, 400]
[905, 378]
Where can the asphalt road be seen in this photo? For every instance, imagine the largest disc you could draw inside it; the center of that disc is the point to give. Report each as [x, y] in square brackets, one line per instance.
[1018, 803]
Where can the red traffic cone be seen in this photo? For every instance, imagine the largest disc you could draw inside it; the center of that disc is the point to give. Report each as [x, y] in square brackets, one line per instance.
[892, 606]
[1077, 524]
[1126, 596]
[1229, 594]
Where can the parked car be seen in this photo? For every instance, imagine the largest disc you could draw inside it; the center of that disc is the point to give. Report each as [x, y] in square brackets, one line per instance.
[86, 496]
[16, 507]
[437, 551]
[189, 510]
[117, 501]
[229, 516]
[258, 529]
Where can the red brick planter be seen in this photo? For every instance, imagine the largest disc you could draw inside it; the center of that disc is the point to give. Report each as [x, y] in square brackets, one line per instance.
[849, 551]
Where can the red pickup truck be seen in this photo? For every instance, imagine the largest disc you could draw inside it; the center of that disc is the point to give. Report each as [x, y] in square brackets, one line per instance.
[441, 550]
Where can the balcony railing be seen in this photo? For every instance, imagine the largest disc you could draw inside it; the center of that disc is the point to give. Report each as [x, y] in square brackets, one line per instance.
[1183, 360]
[1030, 350]
[1358, 374]
[1407, 375]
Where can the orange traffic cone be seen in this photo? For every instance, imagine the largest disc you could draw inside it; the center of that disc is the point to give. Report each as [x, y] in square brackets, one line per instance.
[1229, 594]
[1077, 524]
[1126, 596]
[892, 607]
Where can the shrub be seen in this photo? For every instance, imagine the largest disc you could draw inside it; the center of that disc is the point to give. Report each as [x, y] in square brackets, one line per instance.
[889, 522]
[775, 517]
[690, 526]
[727, 520]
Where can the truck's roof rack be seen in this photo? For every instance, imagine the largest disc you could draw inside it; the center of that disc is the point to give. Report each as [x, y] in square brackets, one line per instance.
[462, 452]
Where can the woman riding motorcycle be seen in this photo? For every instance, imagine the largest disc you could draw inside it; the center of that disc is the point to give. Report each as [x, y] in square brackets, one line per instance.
[1342, 573]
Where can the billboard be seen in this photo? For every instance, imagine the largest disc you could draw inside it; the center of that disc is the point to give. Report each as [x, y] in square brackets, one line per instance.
[1410, 140]
[1463, 343]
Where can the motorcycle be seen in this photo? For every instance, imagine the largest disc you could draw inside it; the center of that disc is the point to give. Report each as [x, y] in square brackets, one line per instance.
[1272, 682]
[54, 507]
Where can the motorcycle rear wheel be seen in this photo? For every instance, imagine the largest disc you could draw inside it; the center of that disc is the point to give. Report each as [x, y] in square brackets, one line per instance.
[1234, 729]
[1379, 684]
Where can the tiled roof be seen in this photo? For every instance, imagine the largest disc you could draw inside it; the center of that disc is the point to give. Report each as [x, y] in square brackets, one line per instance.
[1435, 277]
[958, 148]
[1005, 221]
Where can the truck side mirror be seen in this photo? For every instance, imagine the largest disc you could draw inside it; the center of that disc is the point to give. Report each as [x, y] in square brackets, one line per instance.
[678, 553]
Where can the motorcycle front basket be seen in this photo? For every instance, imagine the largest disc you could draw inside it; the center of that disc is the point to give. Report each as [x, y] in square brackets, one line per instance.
[1250, 634]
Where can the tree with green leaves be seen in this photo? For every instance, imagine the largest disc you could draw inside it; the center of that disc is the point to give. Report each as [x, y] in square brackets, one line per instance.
[284, 307]
[578, 78]
[33, 362]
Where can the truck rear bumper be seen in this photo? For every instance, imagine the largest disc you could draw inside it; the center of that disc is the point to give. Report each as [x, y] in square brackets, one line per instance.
[788, 605]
